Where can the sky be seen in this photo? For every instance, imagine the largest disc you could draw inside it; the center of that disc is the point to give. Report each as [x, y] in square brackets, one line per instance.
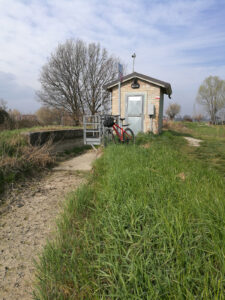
[181, 42]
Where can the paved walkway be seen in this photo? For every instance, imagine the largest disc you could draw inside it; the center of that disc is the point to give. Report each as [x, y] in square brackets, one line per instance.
[79, 163]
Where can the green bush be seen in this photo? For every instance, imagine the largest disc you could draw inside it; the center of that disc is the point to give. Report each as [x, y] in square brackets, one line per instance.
[3, 116]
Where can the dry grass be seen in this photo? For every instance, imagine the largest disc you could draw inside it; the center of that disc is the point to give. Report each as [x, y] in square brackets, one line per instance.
[176, 126]
[18, 157]
[146, 146]
[38, 157]
[182, 176]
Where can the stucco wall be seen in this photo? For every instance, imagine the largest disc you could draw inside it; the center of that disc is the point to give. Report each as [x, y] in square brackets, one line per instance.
[152, 94]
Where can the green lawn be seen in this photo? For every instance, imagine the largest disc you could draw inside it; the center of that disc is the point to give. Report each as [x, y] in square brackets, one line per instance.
[149, 224]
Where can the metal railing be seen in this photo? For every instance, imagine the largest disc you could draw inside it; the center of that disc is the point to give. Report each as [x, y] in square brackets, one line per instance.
[94, 128]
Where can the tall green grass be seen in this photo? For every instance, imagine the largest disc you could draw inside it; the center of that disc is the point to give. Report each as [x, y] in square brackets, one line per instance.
[148, 225]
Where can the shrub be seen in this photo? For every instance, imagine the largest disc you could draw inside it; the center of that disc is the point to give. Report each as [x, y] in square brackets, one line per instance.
[187, 118]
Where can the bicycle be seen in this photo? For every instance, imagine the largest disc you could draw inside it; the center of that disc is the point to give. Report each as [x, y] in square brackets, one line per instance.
[116, 134]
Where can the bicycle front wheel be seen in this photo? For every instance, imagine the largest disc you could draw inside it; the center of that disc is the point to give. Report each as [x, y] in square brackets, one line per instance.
[108, 137]
[128, 136]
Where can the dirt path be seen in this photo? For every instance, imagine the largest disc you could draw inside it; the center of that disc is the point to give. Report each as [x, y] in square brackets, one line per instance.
[193, 142]
[29, 221]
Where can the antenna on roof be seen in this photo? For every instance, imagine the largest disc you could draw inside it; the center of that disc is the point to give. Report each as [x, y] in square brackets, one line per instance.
[133, 56]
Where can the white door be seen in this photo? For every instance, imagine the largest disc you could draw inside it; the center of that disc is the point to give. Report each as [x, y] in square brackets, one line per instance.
[134, 113]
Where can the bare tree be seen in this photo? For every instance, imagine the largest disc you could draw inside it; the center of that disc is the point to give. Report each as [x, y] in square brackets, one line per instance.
[99, 69]
[211, 95]
[73, 76]
[172, 110]
[3, 104]
[221, 115]
[61, 78]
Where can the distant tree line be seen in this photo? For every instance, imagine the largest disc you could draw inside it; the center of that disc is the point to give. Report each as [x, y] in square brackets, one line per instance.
[53, 116]
[13, 119]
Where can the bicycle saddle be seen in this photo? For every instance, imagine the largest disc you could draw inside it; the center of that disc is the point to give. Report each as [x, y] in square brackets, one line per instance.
[122, 119]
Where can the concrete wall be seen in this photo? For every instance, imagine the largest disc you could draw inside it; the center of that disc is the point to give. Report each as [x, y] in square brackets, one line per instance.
[41, 137]
[152, 94]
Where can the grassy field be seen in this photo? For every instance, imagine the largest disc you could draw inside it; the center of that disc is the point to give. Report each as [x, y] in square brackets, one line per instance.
[148, 225]
[212, 149]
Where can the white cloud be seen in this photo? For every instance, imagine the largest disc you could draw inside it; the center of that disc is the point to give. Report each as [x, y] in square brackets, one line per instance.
[169, 37]
[17, 96]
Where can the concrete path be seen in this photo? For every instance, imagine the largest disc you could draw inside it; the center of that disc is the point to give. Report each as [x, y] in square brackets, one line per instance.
[30, 219]
[193, 142]
[80, 163]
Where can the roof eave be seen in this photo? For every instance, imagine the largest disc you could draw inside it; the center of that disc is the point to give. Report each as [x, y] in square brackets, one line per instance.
[166, 87]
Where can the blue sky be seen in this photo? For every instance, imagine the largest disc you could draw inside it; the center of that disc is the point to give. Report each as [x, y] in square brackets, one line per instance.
[181, 42]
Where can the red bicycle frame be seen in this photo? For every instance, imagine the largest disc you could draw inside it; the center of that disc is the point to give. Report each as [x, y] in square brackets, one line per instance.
[120, 132]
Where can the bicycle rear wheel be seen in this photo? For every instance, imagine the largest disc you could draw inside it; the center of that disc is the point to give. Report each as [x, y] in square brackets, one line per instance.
[128, 136]
[108, 137]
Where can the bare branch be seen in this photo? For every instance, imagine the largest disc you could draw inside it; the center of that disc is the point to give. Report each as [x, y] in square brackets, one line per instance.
[73, 76]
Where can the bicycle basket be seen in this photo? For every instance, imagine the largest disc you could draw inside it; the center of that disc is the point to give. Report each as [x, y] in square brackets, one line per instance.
[109, 122]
